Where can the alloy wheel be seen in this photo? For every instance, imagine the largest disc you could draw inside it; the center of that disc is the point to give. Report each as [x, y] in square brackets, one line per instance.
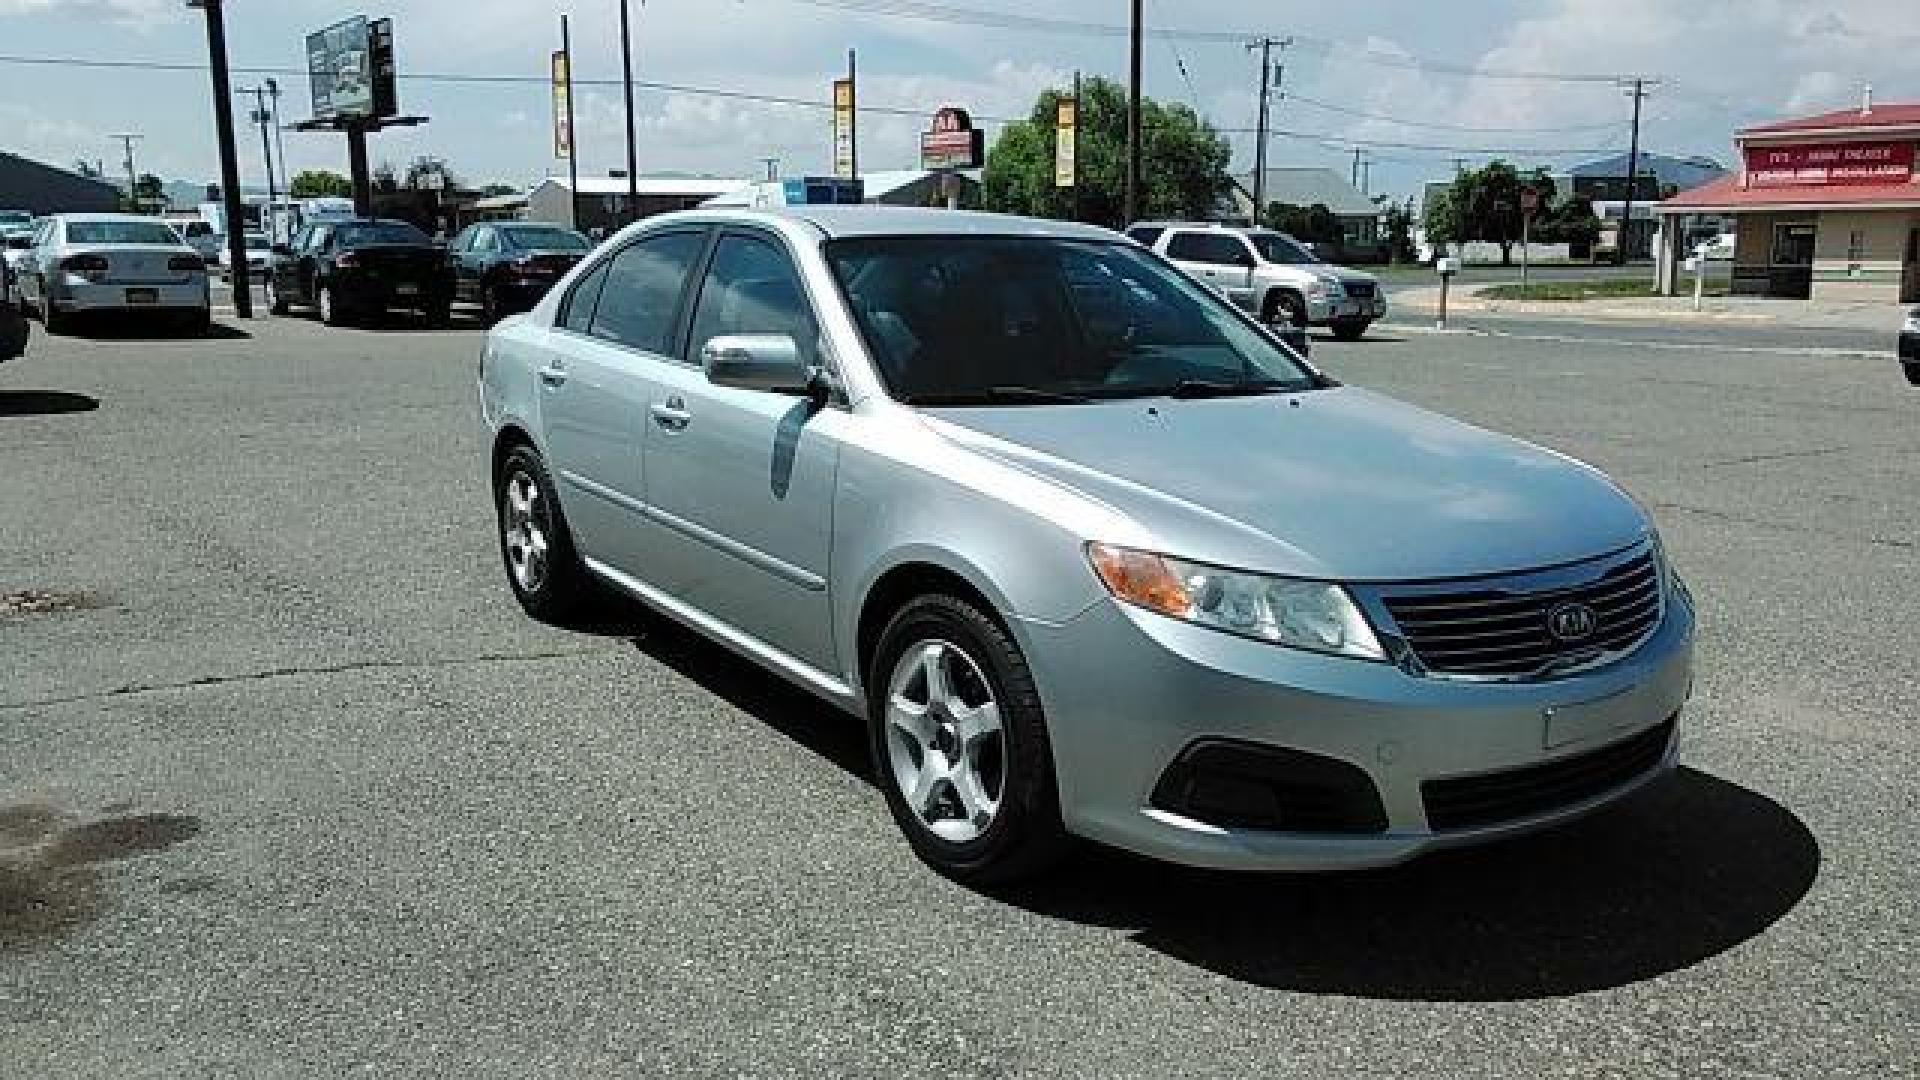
[527, 524]
[945, 744]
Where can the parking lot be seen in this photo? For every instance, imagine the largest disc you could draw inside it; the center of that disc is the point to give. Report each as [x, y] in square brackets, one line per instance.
[290, 787]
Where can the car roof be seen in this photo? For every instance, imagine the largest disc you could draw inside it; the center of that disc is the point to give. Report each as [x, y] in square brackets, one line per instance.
[839, 222]
[97, 218]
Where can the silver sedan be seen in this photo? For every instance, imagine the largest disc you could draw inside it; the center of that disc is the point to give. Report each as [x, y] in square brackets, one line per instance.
[1090, 551]
[83, 264]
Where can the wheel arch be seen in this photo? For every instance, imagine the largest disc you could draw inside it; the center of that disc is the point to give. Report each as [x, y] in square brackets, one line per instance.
[916, 575]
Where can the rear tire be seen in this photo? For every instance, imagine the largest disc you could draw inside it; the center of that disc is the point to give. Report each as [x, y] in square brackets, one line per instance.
[1351, 330]
[197, 323]
[276, 300]
[972, 791]
[1283, 307]
[536, 547]
[1913, 373]
[328, 302]
[52, 319]
[439, 315]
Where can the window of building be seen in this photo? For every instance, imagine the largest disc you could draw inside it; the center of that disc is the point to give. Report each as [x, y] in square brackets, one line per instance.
[1856, 251]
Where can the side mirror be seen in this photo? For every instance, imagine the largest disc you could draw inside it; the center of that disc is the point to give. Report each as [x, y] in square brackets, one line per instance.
[770, 363]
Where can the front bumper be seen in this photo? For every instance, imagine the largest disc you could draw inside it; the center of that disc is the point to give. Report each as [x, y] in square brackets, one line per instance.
[86, 296]
[1345, 309]
[1127, 692]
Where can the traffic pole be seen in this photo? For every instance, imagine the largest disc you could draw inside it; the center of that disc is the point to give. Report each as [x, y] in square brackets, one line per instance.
[633, 152]
[229, 154]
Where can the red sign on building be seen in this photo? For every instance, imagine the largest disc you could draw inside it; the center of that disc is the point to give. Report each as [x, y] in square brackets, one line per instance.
[1830, 164]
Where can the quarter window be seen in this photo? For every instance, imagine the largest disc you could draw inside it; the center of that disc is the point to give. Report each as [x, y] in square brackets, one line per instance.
[753, 288]
[578, 315]
[643, 289]
[1146, 235]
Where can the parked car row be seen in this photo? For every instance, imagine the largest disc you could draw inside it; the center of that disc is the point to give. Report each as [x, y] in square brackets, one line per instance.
[359, 268]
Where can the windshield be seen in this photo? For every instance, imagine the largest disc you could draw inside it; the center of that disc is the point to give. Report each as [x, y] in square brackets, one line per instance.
[1281, 248]
[386, 232]
[538, 239]
[961, 321]
[121, 232]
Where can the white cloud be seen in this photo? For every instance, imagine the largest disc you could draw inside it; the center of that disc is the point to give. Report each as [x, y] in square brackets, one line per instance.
[142, 14]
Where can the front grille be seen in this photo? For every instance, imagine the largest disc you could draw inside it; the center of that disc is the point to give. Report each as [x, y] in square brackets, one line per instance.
[1250, 786]
[1500, 629]
[1469, 802]
[1359, 290]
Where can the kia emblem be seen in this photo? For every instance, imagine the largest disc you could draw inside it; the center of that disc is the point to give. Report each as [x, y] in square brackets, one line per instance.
[1572, 623]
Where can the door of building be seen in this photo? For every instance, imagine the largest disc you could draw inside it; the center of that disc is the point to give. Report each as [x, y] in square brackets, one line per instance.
[1792, 269]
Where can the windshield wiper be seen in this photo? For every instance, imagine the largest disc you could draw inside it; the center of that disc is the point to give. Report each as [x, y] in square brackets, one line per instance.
[1191, 389]
[1000, 395]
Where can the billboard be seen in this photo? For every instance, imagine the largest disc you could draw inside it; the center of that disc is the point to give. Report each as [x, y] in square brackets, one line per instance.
[954, 143]
[350, 66]
[1830, 164]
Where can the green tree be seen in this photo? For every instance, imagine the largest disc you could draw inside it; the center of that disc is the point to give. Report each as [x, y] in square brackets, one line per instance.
[149, 190]
[1399, 234]
[321, 184]
[1314, 224]
[1440, 218]
[1485, 206]
[1184, 161]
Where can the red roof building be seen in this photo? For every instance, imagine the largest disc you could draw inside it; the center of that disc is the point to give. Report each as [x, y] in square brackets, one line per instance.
[1825, 206]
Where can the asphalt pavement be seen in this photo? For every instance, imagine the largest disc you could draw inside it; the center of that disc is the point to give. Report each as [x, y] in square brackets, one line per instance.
[290, 788]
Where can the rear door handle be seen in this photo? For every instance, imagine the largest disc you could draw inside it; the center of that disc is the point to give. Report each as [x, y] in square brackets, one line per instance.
[672, 414]
[553, 376]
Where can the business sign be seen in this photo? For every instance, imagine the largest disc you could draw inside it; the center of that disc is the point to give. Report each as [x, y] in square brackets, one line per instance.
[350, 67]
[562, 106]
[843, 131]
[1829, 164]
[954, 143]
[1066, 143]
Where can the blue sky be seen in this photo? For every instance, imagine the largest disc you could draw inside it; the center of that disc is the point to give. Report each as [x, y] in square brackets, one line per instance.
[1408, 64]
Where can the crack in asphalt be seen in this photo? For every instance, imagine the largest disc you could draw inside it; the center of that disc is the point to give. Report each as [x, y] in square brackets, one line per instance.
[1778, 526]
[1777, 455]
[268, 674]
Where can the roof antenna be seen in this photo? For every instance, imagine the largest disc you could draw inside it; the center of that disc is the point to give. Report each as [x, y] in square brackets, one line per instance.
[1866, 101]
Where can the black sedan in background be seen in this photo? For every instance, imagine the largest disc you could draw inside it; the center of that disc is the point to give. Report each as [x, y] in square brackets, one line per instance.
[506, 267]
[359, 268]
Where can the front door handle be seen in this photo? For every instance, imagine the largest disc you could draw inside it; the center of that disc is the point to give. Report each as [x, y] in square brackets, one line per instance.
[672, 414]
[553, 376]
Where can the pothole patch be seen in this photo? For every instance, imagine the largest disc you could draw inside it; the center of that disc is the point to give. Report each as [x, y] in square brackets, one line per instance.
[44, 602]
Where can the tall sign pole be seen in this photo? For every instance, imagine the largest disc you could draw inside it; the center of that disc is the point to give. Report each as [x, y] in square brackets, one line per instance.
[1636, 89]
[853, 116]
[633, 153]
[1134, 192]
[563, 84]
[229, 154]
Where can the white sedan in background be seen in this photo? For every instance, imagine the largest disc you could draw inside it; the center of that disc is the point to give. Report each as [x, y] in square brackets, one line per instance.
[260, 258]
[83, 264]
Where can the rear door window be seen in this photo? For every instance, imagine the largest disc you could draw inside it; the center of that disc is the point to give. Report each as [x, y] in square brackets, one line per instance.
[640, 301]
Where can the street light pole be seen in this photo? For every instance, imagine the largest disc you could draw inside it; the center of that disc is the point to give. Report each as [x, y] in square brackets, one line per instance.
[1133, 116]
[229, 156]
[133, 181]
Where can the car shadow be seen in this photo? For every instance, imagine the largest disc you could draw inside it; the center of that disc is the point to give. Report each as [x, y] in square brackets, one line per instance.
[1682, 871]
[44, 403]
[1370, 338]
[394, 322]
[134, 328]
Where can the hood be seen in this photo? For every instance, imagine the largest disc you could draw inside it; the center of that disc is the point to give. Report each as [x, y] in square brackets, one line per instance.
[1345, 274]
[1340, 484]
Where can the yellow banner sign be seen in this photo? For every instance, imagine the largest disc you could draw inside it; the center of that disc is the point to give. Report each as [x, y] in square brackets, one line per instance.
[562, 107]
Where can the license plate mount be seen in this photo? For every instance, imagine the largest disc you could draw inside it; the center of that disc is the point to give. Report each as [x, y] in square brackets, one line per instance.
[143, 297]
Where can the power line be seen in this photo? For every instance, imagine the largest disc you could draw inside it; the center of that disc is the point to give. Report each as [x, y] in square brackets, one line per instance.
[1342, 110]
[994, 20]
[445, 78]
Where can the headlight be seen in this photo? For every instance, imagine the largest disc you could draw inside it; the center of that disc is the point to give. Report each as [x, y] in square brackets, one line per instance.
[1313, 615]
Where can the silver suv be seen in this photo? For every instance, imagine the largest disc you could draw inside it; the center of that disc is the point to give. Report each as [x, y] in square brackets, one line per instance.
[1090, 552]
[1270, 274]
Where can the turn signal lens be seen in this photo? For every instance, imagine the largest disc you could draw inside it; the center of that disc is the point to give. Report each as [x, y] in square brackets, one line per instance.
[1142, 578]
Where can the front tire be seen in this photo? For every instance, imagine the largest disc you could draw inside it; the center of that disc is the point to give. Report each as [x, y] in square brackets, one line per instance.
[1284, 307]
[959, 742]
[52, 319]
[276, 300]
[543, 568]
[331, 313]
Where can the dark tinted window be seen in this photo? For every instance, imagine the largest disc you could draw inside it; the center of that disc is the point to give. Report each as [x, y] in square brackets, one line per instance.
[543, 238]
[643, 289]
[121, 232]
[1219, 248]
[1284, 249]
[385, 232]
[578, 313]
[753, 288]
[1147, 235]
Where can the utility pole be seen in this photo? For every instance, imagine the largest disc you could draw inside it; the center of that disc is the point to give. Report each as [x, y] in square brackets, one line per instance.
[280, 151]
[133, 181]
[1133, 116]
[1355, 178]
[1637, 89]
[1366, 178]
[633, 152]
[229, 155]
[1269, 76]
[265, 120]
